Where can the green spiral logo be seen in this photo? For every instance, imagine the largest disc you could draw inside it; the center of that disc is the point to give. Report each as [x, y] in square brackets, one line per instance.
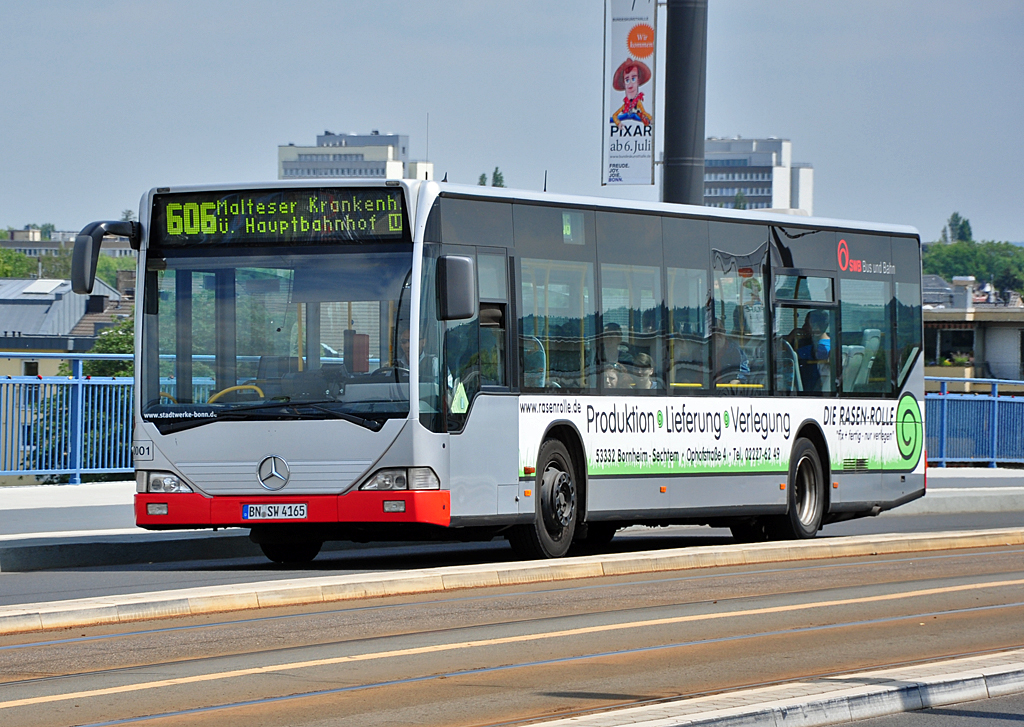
[909, 429]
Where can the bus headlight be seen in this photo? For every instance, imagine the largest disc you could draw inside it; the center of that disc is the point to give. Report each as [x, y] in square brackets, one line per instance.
[414, 478]
[166, 482]
[387, 480]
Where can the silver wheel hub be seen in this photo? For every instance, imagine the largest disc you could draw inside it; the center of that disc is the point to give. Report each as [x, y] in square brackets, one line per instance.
[559, 505]
[806, 494]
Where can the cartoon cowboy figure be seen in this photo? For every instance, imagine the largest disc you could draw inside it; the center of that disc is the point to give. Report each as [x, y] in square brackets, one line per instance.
[629, 77]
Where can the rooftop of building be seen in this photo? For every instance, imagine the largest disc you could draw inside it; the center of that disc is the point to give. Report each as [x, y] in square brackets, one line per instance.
[47, 307]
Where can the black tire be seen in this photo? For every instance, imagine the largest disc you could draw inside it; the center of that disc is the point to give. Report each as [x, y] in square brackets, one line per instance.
[749, 531]
[806, 494]
[302, 551]
[556, 498]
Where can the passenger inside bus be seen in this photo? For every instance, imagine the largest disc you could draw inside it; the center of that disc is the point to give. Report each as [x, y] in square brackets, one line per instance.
[643, 373]
[613, 348]
[732, 366]
[614, 376]
[813, 348]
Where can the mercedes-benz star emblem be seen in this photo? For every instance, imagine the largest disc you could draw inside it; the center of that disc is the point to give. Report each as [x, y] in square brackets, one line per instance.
[273, 472]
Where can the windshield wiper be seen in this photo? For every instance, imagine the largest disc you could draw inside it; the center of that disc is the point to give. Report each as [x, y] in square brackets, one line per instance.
[374, 424]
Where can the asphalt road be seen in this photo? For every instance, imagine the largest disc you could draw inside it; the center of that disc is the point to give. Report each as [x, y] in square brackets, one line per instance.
[52, 585]
[507, 655]
[43, 586]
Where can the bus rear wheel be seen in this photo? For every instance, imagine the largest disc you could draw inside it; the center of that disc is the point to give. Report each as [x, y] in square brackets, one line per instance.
[555, 497]
[299, 552]
[806, 496]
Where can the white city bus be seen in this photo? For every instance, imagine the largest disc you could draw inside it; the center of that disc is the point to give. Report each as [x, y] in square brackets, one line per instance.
[411, 360]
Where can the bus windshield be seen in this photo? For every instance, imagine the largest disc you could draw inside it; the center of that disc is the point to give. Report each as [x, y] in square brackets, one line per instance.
[276, 333]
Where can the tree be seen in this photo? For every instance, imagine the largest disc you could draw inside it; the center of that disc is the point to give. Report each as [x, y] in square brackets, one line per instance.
[740, 201]
[482, 181]
[45, 229]
[119, 338]
[16, 265]
[127, 215]
[56, 266]
[957, 229]
[1001, 263]
[107, 267]
[497, 178]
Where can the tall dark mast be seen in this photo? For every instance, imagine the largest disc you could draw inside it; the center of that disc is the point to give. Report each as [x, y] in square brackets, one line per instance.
[686, 59]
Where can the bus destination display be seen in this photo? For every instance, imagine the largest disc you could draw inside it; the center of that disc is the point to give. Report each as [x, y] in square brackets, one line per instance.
[289, 216]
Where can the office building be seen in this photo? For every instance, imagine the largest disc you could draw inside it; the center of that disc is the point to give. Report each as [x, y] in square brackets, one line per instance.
[760, 171]
[373, 155]
[64, 242]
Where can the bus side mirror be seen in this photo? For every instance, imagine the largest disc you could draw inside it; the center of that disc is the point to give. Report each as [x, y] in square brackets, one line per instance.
[456, 283]
[87, 251]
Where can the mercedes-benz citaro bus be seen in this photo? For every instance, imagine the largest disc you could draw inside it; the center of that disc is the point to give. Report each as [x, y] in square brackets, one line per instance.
[385, 360]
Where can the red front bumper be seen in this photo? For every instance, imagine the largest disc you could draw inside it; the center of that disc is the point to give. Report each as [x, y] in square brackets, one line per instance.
[191, 510]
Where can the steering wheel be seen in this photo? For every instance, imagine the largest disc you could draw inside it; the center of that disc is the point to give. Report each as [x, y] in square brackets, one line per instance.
[397, 371]
[165, 395]
[240, 387]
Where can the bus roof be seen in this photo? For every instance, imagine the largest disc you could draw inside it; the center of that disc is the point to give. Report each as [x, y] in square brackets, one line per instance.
[414, 189]
[693, 211]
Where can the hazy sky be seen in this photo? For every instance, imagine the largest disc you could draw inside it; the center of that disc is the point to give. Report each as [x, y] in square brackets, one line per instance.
[908, 110]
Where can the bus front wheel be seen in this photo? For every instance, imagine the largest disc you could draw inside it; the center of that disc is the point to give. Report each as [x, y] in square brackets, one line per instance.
[302, 551]
[806, 496]
[556, 496]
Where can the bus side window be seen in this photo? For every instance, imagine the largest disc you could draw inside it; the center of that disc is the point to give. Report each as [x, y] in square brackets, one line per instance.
[631, 306]
[492, 344]
[864, 306]
[688, 350]
[906, 257]
[492, 272]
[557, 322]
[557, 311]
[739, 336]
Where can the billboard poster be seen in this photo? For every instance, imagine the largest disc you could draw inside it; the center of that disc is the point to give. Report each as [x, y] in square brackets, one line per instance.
[630, 32]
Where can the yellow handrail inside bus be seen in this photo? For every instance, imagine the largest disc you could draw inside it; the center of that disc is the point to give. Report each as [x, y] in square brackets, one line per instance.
[221, 393]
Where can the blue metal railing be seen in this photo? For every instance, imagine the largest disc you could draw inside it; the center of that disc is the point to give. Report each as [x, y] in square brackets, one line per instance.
[980, 428]
[65, 425]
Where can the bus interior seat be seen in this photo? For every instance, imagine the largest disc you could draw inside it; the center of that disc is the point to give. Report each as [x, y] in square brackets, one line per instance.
[872, 341]
[275, 367]
[853, 359]
[689, 361]
[788, 373]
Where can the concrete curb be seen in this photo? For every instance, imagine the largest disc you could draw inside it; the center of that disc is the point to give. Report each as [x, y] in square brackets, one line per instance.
[829, 700]
[326, 589]
[958, 500]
